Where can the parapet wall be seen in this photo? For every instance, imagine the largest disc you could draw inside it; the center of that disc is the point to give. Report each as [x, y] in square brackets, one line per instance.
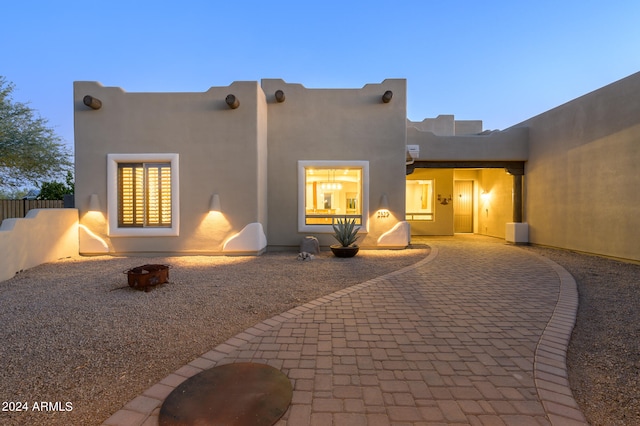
[44, 235]
[582, 175]
[447, 125]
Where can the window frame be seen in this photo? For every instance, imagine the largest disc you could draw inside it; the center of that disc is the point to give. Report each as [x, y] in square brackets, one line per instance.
[140, 177]
[333, 164]
[419, 216]
[114, 230]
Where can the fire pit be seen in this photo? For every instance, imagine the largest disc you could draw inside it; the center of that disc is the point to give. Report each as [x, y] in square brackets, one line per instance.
[147, 276]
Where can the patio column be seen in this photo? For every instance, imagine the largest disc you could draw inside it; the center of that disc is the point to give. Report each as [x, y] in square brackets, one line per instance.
[517, 232]
[517, 198]
[517, 174]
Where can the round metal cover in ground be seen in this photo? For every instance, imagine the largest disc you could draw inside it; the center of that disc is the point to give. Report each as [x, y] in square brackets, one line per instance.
[233, 394]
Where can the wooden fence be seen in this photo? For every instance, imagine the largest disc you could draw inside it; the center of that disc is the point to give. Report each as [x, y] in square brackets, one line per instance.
[20, 208]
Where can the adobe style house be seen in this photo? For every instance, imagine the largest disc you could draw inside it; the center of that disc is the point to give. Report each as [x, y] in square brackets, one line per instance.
[254, 166]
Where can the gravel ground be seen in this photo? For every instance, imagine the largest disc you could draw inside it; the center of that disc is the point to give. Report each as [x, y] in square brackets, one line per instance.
[603, 358]
[72, 331]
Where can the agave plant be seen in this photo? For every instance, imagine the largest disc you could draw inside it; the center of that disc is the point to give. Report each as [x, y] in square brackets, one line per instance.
[345, 231]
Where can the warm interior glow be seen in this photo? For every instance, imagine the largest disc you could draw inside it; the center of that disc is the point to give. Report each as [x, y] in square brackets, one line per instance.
[145, 195]
[158, 195]
[332, 193]
[485, 196]
[419, 199]
[153, 196]
[131, 195]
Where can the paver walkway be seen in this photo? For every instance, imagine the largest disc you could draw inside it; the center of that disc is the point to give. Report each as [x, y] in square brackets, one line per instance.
[474, 334]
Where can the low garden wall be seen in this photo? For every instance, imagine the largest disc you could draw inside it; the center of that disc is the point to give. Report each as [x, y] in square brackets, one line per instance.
[44, 235]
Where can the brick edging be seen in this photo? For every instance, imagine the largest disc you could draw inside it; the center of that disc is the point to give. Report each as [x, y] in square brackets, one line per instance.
[550, 359]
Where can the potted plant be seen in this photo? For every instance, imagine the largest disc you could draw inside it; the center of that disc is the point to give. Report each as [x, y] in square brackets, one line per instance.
[345, 231]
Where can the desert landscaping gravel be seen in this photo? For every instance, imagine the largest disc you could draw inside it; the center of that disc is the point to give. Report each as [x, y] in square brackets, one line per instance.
[74, 332]
[603, 357]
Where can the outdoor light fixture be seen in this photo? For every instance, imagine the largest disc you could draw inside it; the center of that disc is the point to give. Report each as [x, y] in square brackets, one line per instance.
[91, 102]
[280, 96]
[94, 203]
[444, 201]
[383, 209]
[214, 205]
[232, 101]
[384, 202]
[386, 97]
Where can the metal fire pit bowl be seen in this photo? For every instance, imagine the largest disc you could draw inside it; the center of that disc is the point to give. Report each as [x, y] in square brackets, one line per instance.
[146, 277]
[238, 394]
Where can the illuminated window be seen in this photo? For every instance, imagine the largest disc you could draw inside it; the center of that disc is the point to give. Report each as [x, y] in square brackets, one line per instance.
[332, 190]
[419, 200]
[144, 196]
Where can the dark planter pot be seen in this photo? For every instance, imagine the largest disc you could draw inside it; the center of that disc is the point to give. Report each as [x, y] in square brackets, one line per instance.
[340, 251]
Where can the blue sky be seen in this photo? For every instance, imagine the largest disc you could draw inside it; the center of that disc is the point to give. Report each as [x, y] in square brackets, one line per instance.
[497, 61]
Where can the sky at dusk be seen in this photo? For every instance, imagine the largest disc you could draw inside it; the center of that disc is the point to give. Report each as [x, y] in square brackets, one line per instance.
[497, 61]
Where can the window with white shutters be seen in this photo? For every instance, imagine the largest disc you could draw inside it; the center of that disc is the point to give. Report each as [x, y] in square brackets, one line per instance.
[144, 196]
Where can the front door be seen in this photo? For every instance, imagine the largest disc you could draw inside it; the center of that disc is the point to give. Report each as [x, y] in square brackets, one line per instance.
[463, 206]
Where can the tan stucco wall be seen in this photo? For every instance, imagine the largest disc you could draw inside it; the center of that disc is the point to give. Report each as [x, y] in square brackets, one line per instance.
[582, 176]
[44, 235]
[497, 208]
[443, 215]
[262, 163]
[218, 151]
[335, 124]
[490, 213]
[468, 127]
[580, 186]
[447, 125]
[507, 145]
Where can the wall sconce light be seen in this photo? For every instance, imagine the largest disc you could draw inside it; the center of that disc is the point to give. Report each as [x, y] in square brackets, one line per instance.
[232, 101]
[384, 202]
[386, 97]
[280, 96]
[444, 201]
[91, 102]
[383, 208]
[485, 196]
[94, 203]
[214, 205]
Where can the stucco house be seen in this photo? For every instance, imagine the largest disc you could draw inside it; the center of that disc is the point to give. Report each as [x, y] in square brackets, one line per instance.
[256, 165]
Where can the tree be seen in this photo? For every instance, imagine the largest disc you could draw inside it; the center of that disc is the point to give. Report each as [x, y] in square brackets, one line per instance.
[56, 190]
[13, 193]
[30, 151]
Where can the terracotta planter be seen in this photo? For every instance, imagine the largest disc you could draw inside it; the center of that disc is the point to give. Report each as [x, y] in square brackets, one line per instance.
[340, 251]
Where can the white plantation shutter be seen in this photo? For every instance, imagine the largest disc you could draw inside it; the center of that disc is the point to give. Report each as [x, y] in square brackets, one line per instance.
[144, 195]
[165, 195]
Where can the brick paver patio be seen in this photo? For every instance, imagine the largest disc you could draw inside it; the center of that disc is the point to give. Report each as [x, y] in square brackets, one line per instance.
[474, 334]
